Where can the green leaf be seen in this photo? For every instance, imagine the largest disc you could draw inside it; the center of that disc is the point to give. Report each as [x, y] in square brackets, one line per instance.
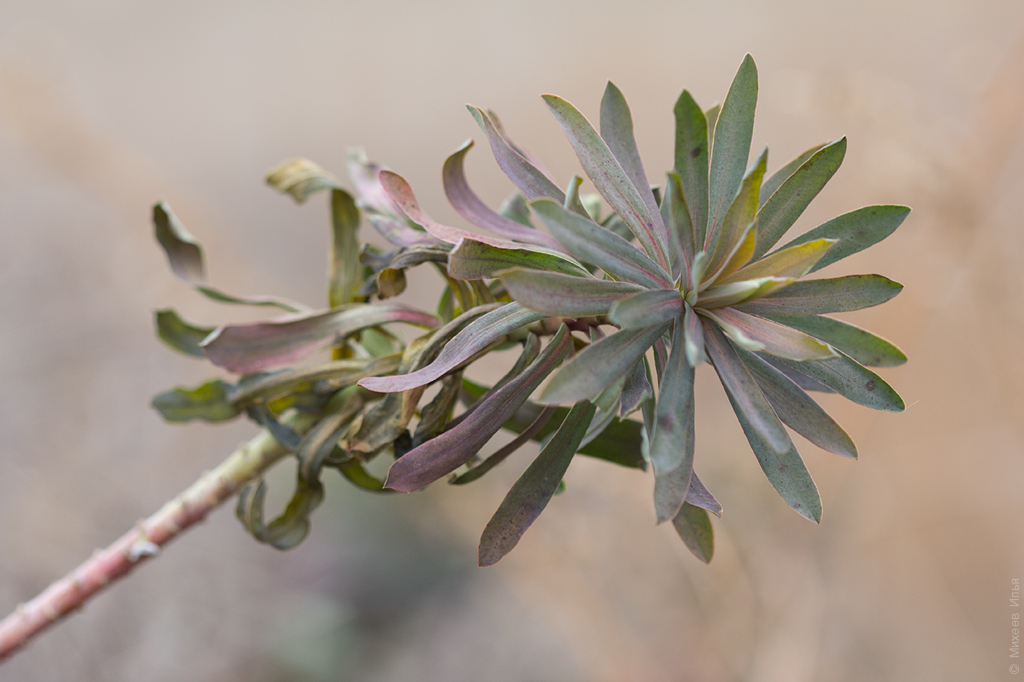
[599, 365]
[856, 231]
[291, 527]
[179, 334]
[733, 132]
[344, 274]
[780, 212]
[694, 528]
[744, 391]
[611, 180]
[515, 207]
[863, 346]
[780, 176]
[439, 457]
[734, 242]
[599, 246]
[472, 259]
[797, 409]
[691, 161]
[853, 381]
[672, 445]
[210, 402]
[771, 337]
[558, 295]
[355, 473]
[532, 492]
[647, 308]
[252, 347]
[530, 180]
[678, 222]
[816, 296]
[694, 337]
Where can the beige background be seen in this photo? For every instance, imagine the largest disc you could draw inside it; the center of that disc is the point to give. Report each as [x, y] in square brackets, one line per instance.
[107, 107]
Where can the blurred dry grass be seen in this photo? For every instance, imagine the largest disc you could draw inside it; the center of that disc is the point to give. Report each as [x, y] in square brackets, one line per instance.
[107, 107]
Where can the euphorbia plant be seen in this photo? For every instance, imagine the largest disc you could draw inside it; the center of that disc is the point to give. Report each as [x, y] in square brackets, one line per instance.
[602, 319]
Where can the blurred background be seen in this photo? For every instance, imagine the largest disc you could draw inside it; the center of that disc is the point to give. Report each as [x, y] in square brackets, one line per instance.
[108, 107]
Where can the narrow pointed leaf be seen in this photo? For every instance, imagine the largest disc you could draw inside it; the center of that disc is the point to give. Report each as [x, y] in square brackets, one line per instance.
[711, 114]
[243, 348]
[617, 132]
[179, 334]
[599, 365]
[532, 492]
[853, 381]
[672, 445]
[210, 402]
[502, 454]
[691, 161]
[735, 228]
[795, 262]
[679, 224]
[774, 338]
[468, 205]
[855, 231]
[473, 259]
[798, 410]
[694, 337]
[694, 529]
[594, 244]
[780, 212]
[400, 234]
[721, 295]
[611, 180]
[530, 180]
[646, 308]
[817, 296]
[733, 131]
[863, 346]
[700, 496]
[743, 390]
[802, 380]
[681, 485]
[345, 277]
[780, 176]
[473, 338]
[558, 295]
[636, 391]
[446, 453]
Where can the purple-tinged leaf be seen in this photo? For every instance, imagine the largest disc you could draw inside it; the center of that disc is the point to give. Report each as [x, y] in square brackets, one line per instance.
[700, 496]
[636, 391]
[691, 161]
[733, 131]
[694, 337]
[558, 295]
[732, 245]
[439, 457]
[599, 365]
[678, 222]
[780, 176]
[681, 485]
[694, 529]
[817, 296]
[530, 180]
[672, 444]
[534, 489]
[502, 454]
[794, 262]
[468, 205]
[252, 347]
[474, 338]
[743, 390]
[786, 471]
[853, 381]
[802, 380]
[611, 180]
[179, 334]
[324, 378]
[863, 346]
[647, 308]
[370, 196]
[856, 231]
[399, 234]
[773, 338]
[591, 243]
[798, 410]
[472, 259]
[780, 211]
[617, 132]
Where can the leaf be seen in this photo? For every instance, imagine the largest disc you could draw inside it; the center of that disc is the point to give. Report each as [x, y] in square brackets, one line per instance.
[370, 196]
[291, 527]
[251, 347]
[691, 161]
[468, 205]
[436, 414]
[856, 231]
[780, 212]
[794, 262]
[733, 131]
[646, 308]
[472, 259]
[599, 246]
[532, 492]
[442, 455]
[475, 336]
[300, 178]
[722, 295]
[345, 277]
[515, 207]
[816, 296]
[179, 334]
[694, 528]
[744, 391]
[797, 409]
[771, 337]
[502, 454]
[209, 402]
[677, 219]
[701, 497]
[355, 473]
[326, 377]
[530, 180]
[611, 180]
[786, 471]
[617, 132]
[694, 337]
[801, 380]
[671, 450]
[852, 381]
[401, 235]
[780, 176]
[863, 346]
[733, 244]
[599, 365]
[636, 391]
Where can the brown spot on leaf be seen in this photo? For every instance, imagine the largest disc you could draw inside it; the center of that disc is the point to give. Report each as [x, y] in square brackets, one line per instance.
[696, 152]
[870, 385]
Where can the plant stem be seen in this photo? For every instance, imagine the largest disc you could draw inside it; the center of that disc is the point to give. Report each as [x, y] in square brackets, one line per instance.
[142, 542]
